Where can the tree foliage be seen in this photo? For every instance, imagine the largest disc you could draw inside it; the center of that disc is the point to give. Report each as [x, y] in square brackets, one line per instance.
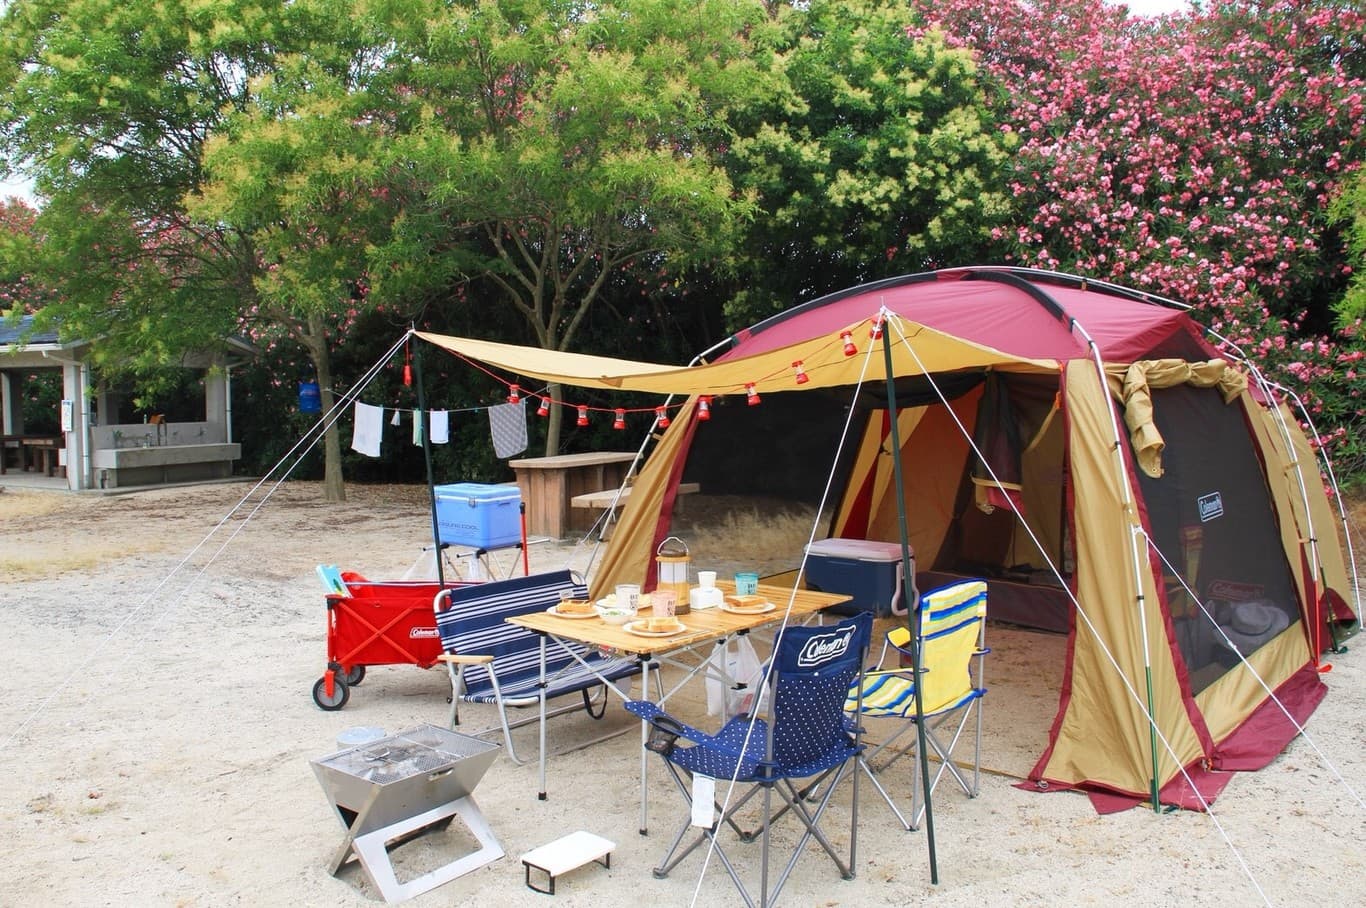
[879, 157]
[1194, 157]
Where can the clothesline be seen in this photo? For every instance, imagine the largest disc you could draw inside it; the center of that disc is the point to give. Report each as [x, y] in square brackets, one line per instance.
[507, 427]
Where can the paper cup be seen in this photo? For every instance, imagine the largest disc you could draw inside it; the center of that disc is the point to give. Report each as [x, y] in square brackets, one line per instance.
[706, 579]
[664, 603]
[628, 595]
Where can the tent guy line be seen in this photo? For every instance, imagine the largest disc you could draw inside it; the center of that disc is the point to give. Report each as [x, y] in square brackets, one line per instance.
[101, 645]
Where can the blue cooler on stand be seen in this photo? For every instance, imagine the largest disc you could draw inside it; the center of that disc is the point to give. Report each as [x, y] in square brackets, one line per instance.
[867, 570]
[479, 516]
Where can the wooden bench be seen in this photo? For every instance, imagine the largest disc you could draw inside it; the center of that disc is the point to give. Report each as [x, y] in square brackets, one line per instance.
[607, 498]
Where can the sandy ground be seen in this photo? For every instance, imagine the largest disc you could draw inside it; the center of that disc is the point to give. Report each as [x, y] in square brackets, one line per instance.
[156, 733]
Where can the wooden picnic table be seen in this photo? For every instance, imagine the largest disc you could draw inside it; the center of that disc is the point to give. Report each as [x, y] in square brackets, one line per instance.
[36, 452]
[549, 484]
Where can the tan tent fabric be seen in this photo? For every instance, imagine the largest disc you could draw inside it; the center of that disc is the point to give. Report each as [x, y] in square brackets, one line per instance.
[1102, 735]
[1230, 700]
[1132, 383]
[915, 350]
[1294, 463]
[629, 558]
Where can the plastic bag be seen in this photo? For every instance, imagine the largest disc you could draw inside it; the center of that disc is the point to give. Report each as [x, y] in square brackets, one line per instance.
[737, 661]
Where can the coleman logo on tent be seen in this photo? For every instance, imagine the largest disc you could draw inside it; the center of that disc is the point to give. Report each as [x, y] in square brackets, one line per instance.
[1211, 506]
[824, 647]
[421, 633]
[1236, 592]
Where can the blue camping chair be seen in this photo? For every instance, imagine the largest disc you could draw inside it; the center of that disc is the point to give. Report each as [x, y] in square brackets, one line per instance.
[805, 736]
[493, 662]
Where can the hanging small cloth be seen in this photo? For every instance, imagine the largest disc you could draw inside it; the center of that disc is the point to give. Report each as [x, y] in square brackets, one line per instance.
[507, 426]
[417, 428]
[394, 420]
[441, 427]
[369, 429]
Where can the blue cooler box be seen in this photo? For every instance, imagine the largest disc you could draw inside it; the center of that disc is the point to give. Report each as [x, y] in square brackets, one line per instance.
[865, 569]
[478, 515]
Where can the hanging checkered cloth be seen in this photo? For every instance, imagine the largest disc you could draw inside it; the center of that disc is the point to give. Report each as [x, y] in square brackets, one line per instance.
[507, 426]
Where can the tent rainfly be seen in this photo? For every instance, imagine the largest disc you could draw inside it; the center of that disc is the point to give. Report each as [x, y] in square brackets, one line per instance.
[1083, 447]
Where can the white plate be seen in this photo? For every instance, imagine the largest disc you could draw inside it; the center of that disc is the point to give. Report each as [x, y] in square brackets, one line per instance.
[761, 610]
[638, 628]
[555, 610]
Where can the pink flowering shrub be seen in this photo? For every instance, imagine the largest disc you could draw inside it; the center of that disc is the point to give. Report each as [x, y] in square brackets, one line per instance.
[1194, 157]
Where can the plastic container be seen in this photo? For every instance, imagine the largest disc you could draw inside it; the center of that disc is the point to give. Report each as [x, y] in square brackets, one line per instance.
[478, 515]
[867, 570]
[358, 735]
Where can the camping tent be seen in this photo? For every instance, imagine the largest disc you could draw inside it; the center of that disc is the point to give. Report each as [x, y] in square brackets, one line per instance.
[1081, 446]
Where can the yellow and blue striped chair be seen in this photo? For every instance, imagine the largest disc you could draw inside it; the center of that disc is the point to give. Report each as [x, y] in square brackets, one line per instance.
[952, 640]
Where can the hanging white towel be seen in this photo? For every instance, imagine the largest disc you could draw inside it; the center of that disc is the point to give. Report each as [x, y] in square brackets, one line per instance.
[441, 427]
[417, 428]
[507, 426]
[369, 429]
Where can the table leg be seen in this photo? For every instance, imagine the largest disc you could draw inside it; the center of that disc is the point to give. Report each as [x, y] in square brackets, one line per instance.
[644, 739]
[541, 724]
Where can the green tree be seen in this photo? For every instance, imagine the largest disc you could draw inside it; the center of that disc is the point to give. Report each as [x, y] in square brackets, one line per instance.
[109, 106]
[882, 158]
[1348, 210]
[556, 144]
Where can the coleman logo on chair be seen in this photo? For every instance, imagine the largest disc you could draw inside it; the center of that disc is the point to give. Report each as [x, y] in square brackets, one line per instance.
[420, 633]
[824, 647]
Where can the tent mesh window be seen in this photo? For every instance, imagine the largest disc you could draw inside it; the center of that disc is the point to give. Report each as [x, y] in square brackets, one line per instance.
[1211, 517]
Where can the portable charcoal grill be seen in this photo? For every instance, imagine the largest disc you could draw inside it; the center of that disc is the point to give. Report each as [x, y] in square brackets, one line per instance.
[393, 789]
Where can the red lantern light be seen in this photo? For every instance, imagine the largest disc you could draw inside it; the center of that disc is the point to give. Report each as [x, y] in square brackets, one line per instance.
[661, 417]
[514, 394]
[875, 332]
[751, 395]
[848, 338]
[801, 372]
[620, 421]
[583, 416]
[544, 408]
[407, 375]
[704, 408]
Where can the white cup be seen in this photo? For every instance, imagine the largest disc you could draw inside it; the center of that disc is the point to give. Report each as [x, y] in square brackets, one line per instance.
[628, 595]
[706, 579]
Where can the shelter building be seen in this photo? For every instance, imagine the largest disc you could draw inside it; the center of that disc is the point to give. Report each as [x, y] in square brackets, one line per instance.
[93, 449]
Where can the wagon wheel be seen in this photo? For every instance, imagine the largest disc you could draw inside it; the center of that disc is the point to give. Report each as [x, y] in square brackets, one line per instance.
[340, 694]
[355, 676]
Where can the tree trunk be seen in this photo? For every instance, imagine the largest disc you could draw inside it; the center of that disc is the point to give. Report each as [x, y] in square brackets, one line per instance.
[556, 420]
[315, 342]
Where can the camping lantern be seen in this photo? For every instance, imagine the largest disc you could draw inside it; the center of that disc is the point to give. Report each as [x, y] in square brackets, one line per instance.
[704, 407]
[544, 408]
[848, 338]
[801, 372]
[671, 560]
[620, 421]
[514, 394]
[875, 332]
[661, 417]
[752, 395]
[583, 416]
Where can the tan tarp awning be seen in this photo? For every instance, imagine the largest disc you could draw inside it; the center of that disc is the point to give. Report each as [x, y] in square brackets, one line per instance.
[916, 350]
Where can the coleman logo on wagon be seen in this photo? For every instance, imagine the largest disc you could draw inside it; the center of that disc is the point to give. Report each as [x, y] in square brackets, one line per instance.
[824, 647]
[1211, 506]
[421, 633]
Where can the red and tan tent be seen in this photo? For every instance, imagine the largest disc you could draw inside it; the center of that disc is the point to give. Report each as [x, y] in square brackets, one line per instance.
[1110, 473]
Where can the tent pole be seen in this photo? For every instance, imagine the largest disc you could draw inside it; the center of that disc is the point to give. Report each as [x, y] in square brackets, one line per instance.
[427, 458]
[912, 608]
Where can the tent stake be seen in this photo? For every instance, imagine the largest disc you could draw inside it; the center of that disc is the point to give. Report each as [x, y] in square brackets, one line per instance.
[912, 608]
